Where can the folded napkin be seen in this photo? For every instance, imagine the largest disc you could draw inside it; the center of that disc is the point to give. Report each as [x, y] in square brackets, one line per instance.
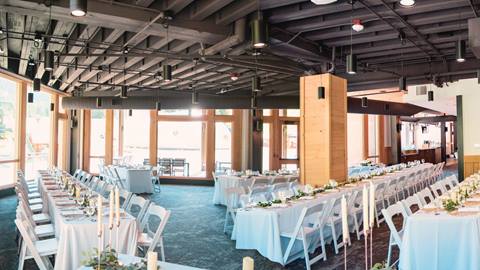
[474, 199]
[72, 212]
[64, 202]
[468, 209]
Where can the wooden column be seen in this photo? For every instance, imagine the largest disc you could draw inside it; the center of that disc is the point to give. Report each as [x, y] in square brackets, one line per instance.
[210, 151]
[87, 119]
[22, 124]
[237, 140]
[323, 125]
[108, 137]
[153, 137]
[365, 136]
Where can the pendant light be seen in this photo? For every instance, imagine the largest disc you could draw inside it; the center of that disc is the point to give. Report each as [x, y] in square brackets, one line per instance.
[259, 32]
[461, 51]
[99, 102]
[357, 25]
[30, 97]
[194, 97]
[256, 84]
[352, 64]
[402, 83]
[430, 95]
[48, 60]
[36, 84]
[78, 8]
[387, 107]
[407, 3]
[123, 91]
[130, 112]
[364, 102]
[158, 106]
[167, 73]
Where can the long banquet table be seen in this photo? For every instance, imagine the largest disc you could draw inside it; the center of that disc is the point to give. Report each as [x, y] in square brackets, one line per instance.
[77, 234]
[260, 228]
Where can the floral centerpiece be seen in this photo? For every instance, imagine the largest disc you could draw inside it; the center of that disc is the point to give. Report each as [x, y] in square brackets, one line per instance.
[382, 266]
[332, 184]
[366, 163]
[109, 261]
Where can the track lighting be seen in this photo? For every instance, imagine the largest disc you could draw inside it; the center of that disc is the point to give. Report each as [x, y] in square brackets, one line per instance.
[167, 73]
[158, 106]
[194, 97]
[36, 84]
[352, 64]
[99, 102]
[256, 84]
[364, 102]
[357, 25]
[430, 95]
[49, 60]
[402, 83]
[259, 33]
[407, 3]
[123, 91]
[78, 8]
[30, 98]
[461, 51]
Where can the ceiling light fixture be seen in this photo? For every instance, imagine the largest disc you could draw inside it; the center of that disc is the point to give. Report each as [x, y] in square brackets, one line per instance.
[99, 102]
[234, 76]
[36, 84]
[78, 8]
[352, 64]
[461, 51]
[323, 2]
[357, 25]
[123, 91]
[259, 32]
[1, 30]
[167, 73]
[49, 60]
[194, 97]
[256, 84]
[407, 3]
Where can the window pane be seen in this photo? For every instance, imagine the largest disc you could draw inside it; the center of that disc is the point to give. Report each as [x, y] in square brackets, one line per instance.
[224, 112]
[38, 134]
[136, 130]
[8, 119]
[289, 141]
[196, 112]
[173, 112]
[290, 167]
[223, 146]
[267, 112]
[184, 142]
[266, 147]
[290, 112]
[97, 140]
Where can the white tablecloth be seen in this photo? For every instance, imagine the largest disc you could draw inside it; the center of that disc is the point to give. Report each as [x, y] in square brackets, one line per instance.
[260, 229]
[136, 180]
[78, 236]
[125, 259]
[223, 182]
[438, 242]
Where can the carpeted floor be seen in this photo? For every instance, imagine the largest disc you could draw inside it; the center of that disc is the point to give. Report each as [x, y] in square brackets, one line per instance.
[194, 236]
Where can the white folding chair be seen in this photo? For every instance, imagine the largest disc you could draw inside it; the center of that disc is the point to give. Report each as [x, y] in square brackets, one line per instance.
[379, 201]
[281, 189]
[423, 194]
[125, 196]
[395, 236]
[35, 213]
[41, 231]
[93, 183]
[454, 180]
[400, 188]
[233, 196]
[390, 191]
[153, 225]
[76, 173]
[437, 189]
[279, 179]
[446, 183]
[137, 206]
[334, 222]
[100, 187]
[107, 188]
[310, 235]
[413, 200]
[261, 181]
[355, 210]
[31, 247]
[259, 194]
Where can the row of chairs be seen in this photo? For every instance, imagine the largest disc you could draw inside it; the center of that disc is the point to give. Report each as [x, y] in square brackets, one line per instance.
[407, 207]
[37, 233]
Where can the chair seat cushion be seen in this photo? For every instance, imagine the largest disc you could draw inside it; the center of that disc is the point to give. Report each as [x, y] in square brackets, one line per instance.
[33, 195]
[144, 239]
[41, 218]
[306, 229]
[44, 230]
[36, 208]
[47, 247]
[35, 201]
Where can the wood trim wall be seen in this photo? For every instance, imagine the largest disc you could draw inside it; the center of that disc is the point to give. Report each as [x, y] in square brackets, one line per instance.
[87, 118]
[471, 165]
[210, 151]
[108, 137]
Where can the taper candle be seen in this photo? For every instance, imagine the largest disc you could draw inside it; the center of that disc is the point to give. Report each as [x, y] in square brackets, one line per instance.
[345, 231]
[117, 206]
[372, 204]
[248, 263]
[365, 209]
[111, 210]
[99, 215]
[152, 260]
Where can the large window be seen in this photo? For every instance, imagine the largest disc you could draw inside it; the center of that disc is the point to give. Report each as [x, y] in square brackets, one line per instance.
[223, 146]
[266, 147]
[289, 140]
[97, 140]
[181, 150]
[136, 136]
[38, 134]
[8, 131]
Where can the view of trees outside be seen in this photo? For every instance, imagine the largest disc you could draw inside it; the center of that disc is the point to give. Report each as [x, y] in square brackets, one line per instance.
[223, 146]
[136, 130]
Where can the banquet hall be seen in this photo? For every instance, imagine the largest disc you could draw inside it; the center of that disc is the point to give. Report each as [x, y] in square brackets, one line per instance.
[239, 134]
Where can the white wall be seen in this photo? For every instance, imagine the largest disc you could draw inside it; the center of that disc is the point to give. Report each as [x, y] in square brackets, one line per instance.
[354, 138]
[470, 90]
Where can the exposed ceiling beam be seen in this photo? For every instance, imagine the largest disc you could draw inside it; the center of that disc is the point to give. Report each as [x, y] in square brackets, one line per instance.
[201, 9]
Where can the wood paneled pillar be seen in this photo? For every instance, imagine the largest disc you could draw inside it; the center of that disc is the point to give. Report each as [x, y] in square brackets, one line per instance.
[108, 137]
[210, 145]
[22, 124]
[153, 137]
[323, 125]
[87, 119]
[54, 126]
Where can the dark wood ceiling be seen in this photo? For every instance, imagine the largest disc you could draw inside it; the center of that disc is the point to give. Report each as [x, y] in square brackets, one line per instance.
[207, 40]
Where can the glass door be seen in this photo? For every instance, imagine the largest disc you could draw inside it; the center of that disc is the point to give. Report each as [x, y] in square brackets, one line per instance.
[289, 145]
